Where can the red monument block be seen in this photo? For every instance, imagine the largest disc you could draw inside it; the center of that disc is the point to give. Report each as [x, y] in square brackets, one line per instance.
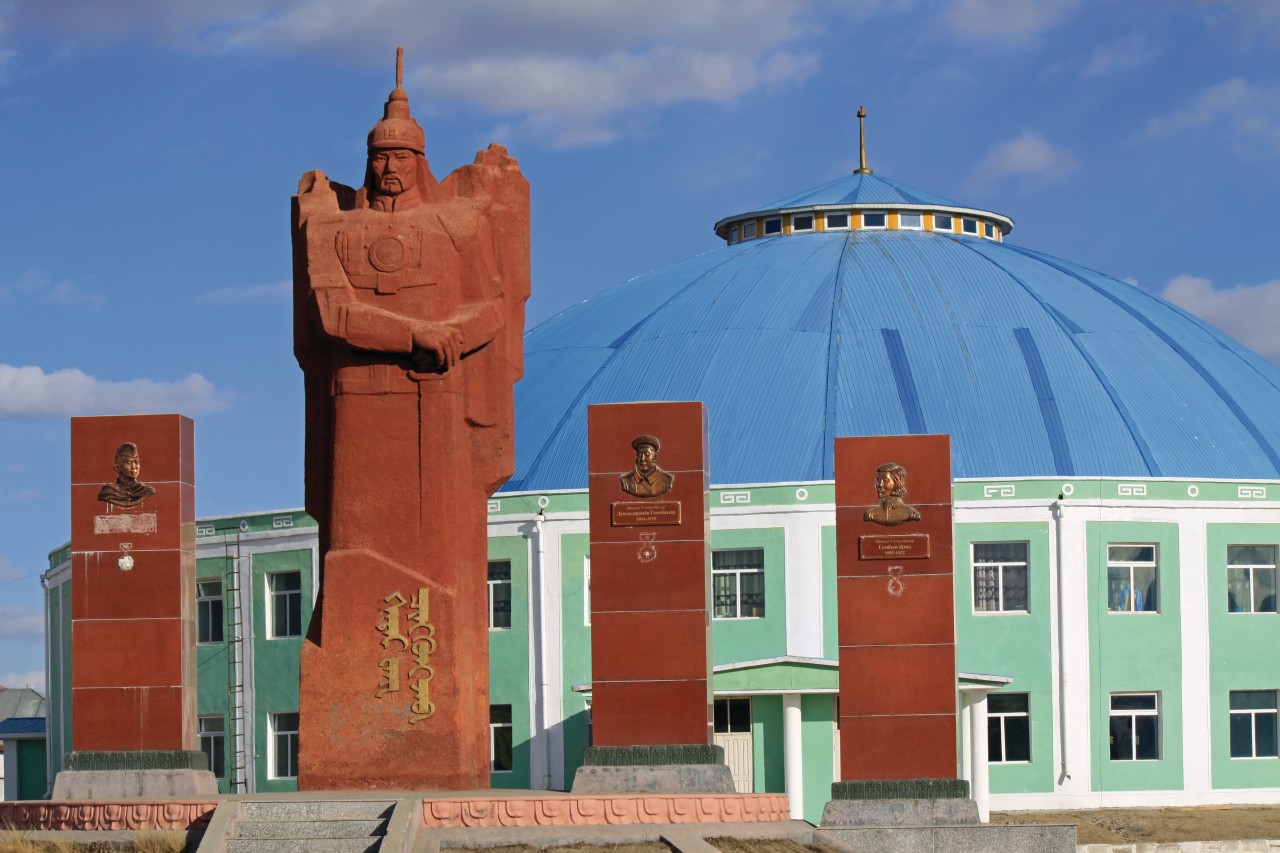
[650, 574]
[409, 300]
[133, 629]
[896, 613]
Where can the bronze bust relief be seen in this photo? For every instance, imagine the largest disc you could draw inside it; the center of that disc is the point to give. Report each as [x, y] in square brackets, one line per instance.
[891, 488]
[126, 492]
[646, 480]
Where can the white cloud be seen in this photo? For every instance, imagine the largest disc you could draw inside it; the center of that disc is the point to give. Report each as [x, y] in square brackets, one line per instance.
[280, 291]
[564, 70]
[21, 623]
[1248, 111]
[1011, 23]
[1131, 51]
[1028, 158]
[29, 391]
[36, 284]
[32, 678]
[22, 496]
[1247, 314]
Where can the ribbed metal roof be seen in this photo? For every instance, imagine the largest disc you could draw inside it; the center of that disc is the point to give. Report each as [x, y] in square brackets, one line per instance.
[22, 726]
[864, 188]
[1035, 366]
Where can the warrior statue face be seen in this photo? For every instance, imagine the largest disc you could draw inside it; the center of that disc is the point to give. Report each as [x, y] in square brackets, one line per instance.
[394, 170]
[646, 458]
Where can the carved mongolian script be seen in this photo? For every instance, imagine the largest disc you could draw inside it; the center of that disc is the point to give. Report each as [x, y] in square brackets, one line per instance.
[418, 637]
[142, 522]
[652, 514]
[911, 546]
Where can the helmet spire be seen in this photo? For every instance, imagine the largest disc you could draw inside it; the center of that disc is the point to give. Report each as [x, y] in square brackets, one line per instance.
[397, 129]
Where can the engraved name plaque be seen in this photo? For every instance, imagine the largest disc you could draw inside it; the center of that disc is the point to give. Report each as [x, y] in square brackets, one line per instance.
[647, 514]
[912, 546]
[141, 522]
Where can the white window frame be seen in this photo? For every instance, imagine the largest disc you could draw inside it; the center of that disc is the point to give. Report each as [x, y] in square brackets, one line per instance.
[1134, 714]
[1250, 570]
[1253, 714]
[965, 222]
[813, 221]
[210, 602]
[493, 739]
[1000, 566]
[491, 586]
[728, 702]
[1000, 718]
[866, 213]
[278, 735]
[950, 229]
[273, 632]
[915, 213]
[737, 574]
[213, 742]
[826, 220]
[988, 230]
[767, 222]
[1131, 565]
[749, 230]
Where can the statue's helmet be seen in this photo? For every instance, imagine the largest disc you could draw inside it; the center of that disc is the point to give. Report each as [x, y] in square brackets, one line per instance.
[397, 129]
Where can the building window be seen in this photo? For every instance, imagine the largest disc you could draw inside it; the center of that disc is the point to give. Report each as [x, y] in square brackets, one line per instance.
[989, 230]
[910, 221]
[283, 746]
[1253, 724]
[1000, 576]
[1008, 728]
[1251, 579]
[943, 222]
[1135, 727]
[837, 221]
[1133, 577]
[732, 715]
[969, 226]
[802, 222]
[209, 620]
[500, 738]
[874, 219]
[499, 594]
[285, 590]
[748, 230]
[213, 742]
[737, 583]
[733, 234]
[773, 225]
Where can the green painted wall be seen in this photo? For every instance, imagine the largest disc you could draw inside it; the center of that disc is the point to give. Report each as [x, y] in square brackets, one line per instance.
[817, 723]
[830, 612]
[1135, 652]
[1016, 645]
[32, 769]
[509, 660]
[766, 745]
[735, 640]
[275, 660]
[576, 636]
[1234, 660]
[211, 664]
[777, 677]
[60, 738]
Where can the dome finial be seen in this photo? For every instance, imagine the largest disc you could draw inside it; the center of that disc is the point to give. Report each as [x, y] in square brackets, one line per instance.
[862, 143]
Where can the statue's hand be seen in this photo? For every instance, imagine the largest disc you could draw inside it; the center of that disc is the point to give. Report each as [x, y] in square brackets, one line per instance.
[443, 342]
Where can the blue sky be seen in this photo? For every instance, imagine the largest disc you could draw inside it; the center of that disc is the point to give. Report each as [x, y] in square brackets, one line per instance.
[148, 151]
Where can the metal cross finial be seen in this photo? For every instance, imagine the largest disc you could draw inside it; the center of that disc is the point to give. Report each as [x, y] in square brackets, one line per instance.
[862, 142]
[400, 68]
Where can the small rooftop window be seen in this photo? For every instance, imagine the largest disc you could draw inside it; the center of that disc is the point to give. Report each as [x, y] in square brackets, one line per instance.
[874, 219]
[802, 222]
[837, 220]
[943, 222]
[773, 225]
[912, 221]
[969, 226]
[733, 234]
[749, 230]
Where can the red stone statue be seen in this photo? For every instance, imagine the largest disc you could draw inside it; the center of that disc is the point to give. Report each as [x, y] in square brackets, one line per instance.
[408, 317]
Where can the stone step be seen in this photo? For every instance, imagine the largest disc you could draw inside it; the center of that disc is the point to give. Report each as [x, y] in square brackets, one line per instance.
[303, 845]
[308, 828]
[316, 810]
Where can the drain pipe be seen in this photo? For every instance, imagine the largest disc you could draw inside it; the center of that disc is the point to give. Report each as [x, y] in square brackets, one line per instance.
[539, 548]
[1064, 681]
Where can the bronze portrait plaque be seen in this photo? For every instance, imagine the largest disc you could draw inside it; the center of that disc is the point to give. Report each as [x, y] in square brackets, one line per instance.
[646, 480]
[891, 488]
[127, 491]
[908, 546]
[636, 514]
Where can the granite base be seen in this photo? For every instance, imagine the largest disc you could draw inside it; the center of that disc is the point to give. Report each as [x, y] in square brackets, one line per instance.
[134, 784]
[654, 779]
[984, 838]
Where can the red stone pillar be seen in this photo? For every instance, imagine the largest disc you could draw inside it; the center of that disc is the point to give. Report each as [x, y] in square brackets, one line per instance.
[650, 574]
[133, 630]
[897, 616]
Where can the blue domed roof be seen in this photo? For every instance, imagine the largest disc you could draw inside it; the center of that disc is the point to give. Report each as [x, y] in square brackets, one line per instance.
[1035, 366]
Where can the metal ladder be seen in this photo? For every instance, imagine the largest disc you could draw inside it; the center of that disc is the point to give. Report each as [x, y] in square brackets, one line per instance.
[236, 777]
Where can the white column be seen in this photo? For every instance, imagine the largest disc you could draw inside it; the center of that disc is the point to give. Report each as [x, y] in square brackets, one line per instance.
[793, 754]
[1193, 582]
[979, 784]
